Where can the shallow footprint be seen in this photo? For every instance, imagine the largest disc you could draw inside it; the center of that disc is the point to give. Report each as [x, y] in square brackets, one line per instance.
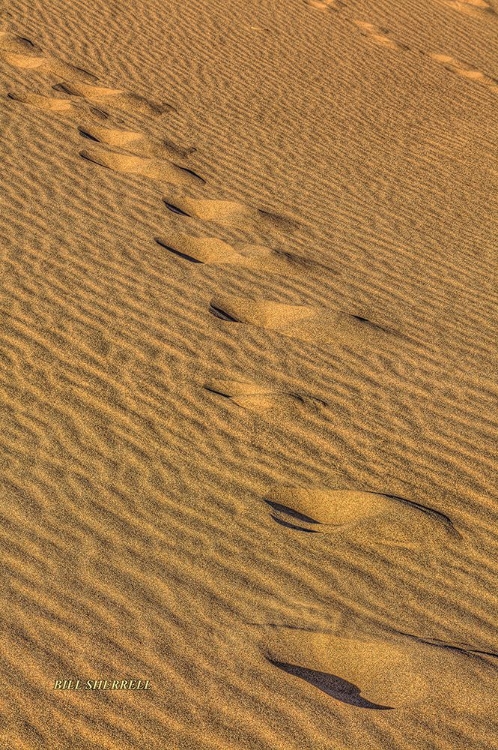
[15, 43]
[229, 212]
[387, 519]
[325, 4]
[155, 169]
[260, 398]
[120, 98]
[303, 322]
[379, 36]
[474, 8]
[22, 53]
[455, 66]
[46, 103]
[212, 251]
[132, 140]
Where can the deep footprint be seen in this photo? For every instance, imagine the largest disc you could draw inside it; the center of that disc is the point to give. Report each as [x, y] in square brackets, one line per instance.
[367, 673]
[387, 519]
[134, 141]
[325, 4]
[473, 8]
[464, 71]
[363, 674]
[212, 251]
[229, 213]
[301, 321]
[154, 169]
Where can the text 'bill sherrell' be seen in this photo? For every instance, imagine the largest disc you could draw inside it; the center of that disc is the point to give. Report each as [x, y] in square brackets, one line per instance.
[102, 685]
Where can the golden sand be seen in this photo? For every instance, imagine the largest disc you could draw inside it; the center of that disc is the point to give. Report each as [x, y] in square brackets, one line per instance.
[248, 374]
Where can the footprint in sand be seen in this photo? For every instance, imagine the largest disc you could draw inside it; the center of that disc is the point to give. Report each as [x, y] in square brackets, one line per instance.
[154, 169]
[365, 674]
[379, 36]
[131, 140]
[386, 519]
[45, 103]
[229, 213]
[463, 70]
[325, 4]
[260, 398]
[474, 8]
[125, 100]
[23, 53]
[212, 251]
[382, 674]
[302, 322]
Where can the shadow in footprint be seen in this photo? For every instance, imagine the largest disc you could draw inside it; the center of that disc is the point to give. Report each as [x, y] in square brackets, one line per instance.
[216, 252]
[218, 312]
[391, 520]
[292, 526]
[192, 173]
[230, 213]
[45, 103]
[340, 689]
[177, 252]
[154, 169]
[290, 512]
[261, 397]
[312, 324]
[175, 209]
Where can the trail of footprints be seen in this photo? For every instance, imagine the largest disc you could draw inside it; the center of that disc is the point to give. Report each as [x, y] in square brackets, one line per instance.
[366, 674]
[383, 38]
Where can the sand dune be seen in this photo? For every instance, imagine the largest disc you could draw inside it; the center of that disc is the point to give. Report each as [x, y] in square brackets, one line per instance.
[248, 374]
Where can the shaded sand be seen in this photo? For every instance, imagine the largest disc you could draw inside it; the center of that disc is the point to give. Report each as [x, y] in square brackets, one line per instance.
[248, 374]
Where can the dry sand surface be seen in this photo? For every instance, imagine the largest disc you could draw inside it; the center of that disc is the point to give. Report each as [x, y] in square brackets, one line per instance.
[247, 369]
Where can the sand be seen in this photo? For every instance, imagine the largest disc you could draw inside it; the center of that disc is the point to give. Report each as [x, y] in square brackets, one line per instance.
[248, 374]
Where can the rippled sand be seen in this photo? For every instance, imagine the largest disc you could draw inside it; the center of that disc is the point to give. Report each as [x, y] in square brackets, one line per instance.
[248, 374]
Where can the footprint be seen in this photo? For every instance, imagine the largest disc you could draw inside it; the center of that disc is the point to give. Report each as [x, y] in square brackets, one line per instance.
[257, 397]
[381, 674]
[22, 53]
[120, 98]
[380, 36]
[15, 43]
[46, 103]
[212, 251]
[301, 321]
[325, 4]
[387, 519]
[229, 212]
[369, 674]
[155, 169]
[133, 140]
[474, 8]
[455, 66]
